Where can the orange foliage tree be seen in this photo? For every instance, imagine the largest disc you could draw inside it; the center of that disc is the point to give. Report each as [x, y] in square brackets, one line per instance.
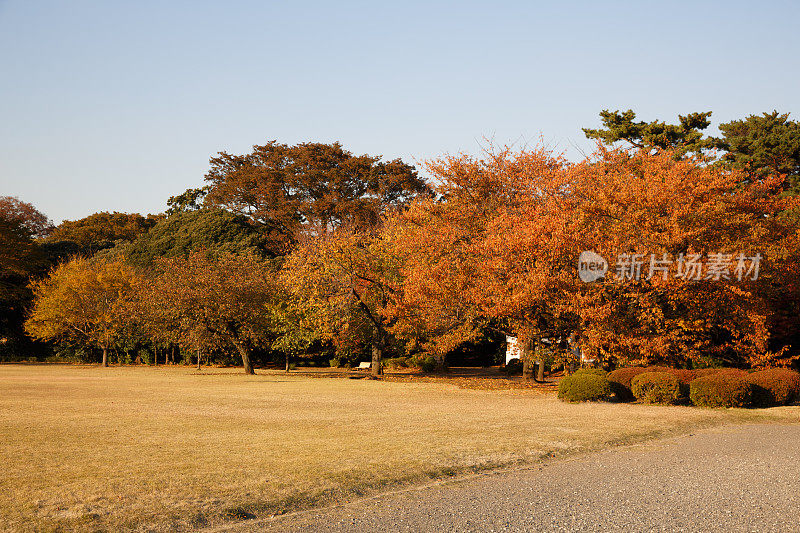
[209, 301]
[344, 283]
[503, 243]
[81, 301]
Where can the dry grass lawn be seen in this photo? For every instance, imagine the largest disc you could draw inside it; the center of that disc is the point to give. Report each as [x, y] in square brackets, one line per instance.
[169, 448]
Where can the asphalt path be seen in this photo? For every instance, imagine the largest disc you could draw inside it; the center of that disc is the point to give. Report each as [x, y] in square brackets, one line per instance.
[734, 478]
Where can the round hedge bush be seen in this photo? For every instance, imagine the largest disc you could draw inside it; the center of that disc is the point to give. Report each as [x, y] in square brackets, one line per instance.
[774, 386]
[727, 388]
[657, 387]
[596, 371]
[620, 380]
[514, 366]
[428, 364]
[584, 387]
[703, 372]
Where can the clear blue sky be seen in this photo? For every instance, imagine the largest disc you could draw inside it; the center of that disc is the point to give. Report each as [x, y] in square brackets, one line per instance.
[112, 105]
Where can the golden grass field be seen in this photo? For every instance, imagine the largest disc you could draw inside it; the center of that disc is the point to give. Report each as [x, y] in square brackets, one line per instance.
[169, 448]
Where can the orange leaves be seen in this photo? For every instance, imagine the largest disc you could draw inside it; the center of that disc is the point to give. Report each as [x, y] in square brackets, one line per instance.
[209, 301]
[504, 241]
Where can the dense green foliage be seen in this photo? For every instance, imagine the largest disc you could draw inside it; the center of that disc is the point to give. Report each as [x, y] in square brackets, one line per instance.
[584, 387]
[190, 231]
[764, 145]
[684, 137]
[102, 230]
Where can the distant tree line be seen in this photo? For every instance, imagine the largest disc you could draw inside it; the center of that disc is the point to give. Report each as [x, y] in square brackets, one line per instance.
[310, 250]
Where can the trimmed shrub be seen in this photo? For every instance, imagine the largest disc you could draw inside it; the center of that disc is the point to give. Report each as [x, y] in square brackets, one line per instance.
[703, 372]
[428, 364]
[513, 367]
[620, 380]
[657, 387]
[774, 386]
[396, 362]
[684, 376]
[726, 388]
[596, 371]
[342, 361]
[584, 387]
[658, 368]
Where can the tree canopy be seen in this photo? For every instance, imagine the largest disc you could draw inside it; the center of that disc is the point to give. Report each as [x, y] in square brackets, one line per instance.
[342, 283]
[26, 216]
[101, 230]
[80, 301]
[517, 263]
[763, 145]
[684, 137]
[203, 229]
[310, 188]
[211, 302]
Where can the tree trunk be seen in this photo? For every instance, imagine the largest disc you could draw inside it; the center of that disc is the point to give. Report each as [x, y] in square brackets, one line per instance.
[527, 363]
[377, 370]
[244, 351]
[527, 367]
[155, 356]
[198, 359]
[105, 356]
[287, 361]
[540, 371]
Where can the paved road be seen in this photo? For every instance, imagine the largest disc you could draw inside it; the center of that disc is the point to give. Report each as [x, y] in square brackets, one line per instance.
[740, 478]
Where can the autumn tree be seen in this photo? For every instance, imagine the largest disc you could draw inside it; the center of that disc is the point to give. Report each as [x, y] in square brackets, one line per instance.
[448, 289]
[310, 188]
[79, 302]
[344, 284]
[33, 221]
[101, 230]
[210, 301]
[518, 263]
[21, 257]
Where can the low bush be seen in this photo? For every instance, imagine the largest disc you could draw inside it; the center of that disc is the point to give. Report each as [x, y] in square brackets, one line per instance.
[428, 364]
[684, 376]
[395, 363]
[584, 387]
[423, 362]
[703, 372]
[726, 388]
[596, 371]
[657, 387]
[774, 386]
[620, 380]
[513, 367]
[343, 361]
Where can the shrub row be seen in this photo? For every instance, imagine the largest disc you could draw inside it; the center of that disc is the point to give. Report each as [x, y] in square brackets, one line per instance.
[426, 364]
[703, 388]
